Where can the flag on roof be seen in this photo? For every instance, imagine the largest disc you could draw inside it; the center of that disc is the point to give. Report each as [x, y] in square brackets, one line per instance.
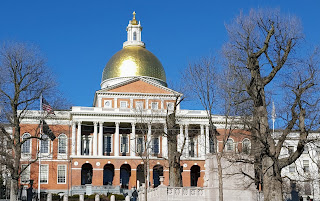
[46, 106]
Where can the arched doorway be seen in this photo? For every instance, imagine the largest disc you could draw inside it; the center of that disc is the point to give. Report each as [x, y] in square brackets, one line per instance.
[194, 175]
[86, 174]
[108, 173]
[125, 173]
[140, 174]
[157, 172]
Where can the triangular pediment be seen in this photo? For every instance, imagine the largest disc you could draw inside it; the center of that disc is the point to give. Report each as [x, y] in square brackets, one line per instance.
[140, 86]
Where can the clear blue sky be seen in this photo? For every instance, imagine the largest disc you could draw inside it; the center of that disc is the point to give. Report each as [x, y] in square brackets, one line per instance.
[79, 37]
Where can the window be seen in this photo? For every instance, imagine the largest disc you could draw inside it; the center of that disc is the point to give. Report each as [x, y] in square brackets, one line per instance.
[134, 36]
[229, 145]
[107, 149]
[44, 144]
[26, 148]
[140, 143]
[211, 144]
[124, 144]
[107, 104]
[85, 144]
[170, 106]
[25, 176]
[192, 147]
[306, 166]
[155, 145]
[139, 105]
[123, 104]
[62, 144]
[290, 149]
[61, 174]
[292, 167]
[154, 106]
[246, 146]
[44, 169]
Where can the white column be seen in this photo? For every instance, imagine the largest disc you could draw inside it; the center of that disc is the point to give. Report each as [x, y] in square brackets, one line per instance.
[73, 139]
[207, 143]
[149, 142]
[202, 142]
[186, 145]
[147, 104]
[116, 140]
[180, 138]
[133, 140]
[95, 138]
[79, 139]
[100, 147]
[165, 142]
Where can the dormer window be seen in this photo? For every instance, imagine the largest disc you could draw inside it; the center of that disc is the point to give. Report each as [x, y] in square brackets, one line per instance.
[134, 36]
[154, 105]
[123, 104]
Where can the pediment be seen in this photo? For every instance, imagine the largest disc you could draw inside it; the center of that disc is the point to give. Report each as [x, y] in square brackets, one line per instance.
[140, 86]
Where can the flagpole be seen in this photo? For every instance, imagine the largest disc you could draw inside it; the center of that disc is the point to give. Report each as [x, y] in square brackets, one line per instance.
[39, 147]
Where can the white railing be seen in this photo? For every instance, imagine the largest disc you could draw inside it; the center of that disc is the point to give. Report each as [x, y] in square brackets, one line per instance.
[162, 193]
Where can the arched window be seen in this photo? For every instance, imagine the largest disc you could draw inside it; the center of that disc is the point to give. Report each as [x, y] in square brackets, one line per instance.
[246, 146]
[134, 36]
[44, 148]
[26, 146]
[229, 145]
[62, 144]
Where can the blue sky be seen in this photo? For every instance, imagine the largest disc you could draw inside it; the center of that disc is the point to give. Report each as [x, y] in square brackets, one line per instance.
[79, 37]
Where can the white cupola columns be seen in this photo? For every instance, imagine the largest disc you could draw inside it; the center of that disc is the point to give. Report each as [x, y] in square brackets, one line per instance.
[134, 29]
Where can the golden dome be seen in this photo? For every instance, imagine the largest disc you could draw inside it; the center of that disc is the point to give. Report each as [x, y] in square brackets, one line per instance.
[134, 61]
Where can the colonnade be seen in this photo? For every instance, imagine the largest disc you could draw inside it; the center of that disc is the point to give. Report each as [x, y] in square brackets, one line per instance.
[96, 145]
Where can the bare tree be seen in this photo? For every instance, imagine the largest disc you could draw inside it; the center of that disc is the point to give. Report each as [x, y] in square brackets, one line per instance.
[24, 76]
[260, 54]
[174, 154]
[203, 84]
[148, 127]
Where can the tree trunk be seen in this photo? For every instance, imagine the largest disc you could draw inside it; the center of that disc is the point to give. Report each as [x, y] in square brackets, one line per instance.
[13, 190]
[272, 182]
[220, 176]
[174, 165]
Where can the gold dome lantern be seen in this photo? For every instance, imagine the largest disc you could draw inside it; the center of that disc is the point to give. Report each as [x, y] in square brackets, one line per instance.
[134, 61]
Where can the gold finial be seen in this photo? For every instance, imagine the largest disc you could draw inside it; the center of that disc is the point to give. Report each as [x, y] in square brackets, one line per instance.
[134, 21]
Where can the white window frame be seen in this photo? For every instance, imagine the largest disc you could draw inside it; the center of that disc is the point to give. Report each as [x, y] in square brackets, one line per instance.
[154, 105]
[25, 173]
[227, 145]
[25, 135]
[63, 136]
[123, 104]
[153, 145]
[139, 105]
[109, 102]
[249, 145]
[109, 135]
[121, 136]
[292, 167]
[44, 136]
[306, 164]
[170, 106]
[47, 173]
[142, 145]
[65, 174]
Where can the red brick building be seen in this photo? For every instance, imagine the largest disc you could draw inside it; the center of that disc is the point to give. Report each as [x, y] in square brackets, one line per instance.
[105, 146]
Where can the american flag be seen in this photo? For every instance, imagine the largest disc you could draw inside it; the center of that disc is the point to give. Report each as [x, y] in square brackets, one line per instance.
[46, 106]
